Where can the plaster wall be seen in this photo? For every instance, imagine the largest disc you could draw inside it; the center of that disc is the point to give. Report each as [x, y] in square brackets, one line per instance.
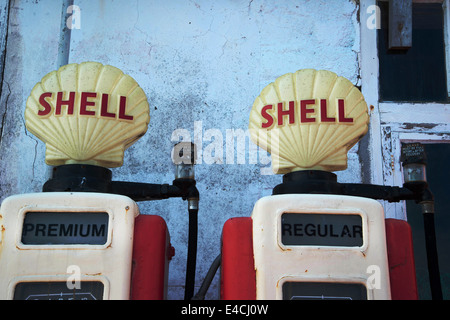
[201, 64]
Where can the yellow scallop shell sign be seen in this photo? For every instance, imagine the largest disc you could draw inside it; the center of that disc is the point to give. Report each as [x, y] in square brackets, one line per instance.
[87, 113]
[308, 120]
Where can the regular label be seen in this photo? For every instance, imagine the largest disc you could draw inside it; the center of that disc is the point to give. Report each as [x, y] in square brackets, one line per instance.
[309, 229]
[65, 228]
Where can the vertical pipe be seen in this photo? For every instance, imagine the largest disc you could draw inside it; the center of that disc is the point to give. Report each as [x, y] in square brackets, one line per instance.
[4, 25]
[191, 255]
[432, 256]
[64, 35]
[63, 49]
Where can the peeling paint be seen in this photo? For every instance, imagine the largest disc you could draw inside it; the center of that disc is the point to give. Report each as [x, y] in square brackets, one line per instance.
[387, 153]
[410, 126]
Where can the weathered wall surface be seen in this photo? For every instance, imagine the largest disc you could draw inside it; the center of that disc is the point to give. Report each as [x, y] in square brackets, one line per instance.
[201, 64]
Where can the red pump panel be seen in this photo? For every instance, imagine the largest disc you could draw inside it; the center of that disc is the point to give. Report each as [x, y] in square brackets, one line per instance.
[402, 271]
[151, 254]
[238, 276]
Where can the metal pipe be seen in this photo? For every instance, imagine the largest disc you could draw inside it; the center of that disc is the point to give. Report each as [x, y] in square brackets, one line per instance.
[63, 49]
[414, 161]
[64, 35]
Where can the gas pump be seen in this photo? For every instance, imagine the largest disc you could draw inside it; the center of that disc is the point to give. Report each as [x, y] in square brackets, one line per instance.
[83, 237]
[315, 238]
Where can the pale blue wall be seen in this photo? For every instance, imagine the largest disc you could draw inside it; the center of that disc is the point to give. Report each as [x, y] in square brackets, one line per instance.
[201, 64]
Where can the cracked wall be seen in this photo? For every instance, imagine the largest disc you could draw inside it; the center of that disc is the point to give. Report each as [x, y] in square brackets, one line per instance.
[201, 64]
[29, 51]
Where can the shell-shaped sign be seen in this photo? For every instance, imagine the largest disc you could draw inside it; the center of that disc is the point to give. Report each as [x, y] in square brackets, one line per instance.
[87, 113]
[308, 120]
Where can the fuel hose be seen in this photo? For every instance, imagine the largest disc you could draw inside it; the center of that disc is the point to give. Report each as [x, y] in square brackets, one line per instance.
[432, 254]
[191, 254]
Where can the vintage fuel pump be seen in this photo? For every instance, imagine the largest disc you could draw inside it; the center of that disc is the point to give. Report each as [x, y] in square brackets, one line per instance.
[83, 237]
[315, 238]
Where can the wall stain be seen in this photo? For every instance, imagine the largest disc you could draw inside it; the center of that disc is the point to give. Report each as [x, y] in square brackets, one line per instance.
[409, 126]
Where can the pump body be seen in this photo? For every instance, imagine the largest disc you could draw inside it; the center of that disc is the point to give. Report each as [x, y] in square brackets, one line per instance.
[77, 245]
[309, 246]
